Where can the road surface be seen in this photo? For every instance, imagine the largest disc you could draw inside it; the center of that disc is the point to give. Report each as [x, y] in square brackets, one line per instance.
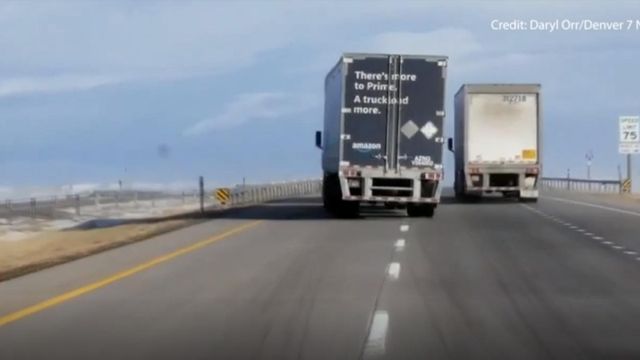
[559, 279]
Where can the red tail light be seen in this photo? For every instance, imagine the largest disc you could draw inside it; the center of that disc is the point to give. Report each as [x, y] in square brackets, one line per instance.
[348, 172]
[432, 176]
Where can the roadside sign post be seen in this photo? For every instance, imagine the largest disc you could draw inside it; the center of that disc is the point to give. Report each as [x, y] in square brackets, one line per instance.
[629, 143]
[201, 183]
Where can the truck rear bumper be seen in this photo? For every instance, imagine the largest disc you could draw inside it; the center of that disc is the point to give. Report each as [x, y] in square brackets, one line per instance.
[522, 178]
[392, 199]
[409, 186]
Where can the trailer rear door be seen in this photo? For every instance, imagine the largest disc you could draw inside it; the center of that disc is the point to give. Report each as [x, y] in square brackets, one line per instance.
[421, 112]
[503, 127]
[365, 112]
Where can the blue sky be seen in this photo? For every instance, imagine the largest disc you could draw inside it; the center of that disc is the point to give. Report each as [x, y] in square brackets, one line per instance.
[93, 92]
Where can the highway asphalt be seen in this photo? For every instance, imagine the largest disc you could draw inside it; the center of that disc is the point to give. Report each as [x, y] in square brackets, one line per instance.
[559, 279]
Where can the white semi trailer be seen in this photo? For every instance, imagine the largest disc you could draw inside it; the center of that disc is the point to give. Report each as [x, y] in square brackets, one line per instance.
[497, 140]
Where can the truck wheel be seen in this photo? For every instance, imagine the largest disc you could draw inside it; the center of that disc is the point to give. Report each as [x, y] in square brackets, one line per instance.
[429, 211]
[326, 195]
[348, 209]
[331, 196]
[527, 200]
[413, 210]
[420, 210]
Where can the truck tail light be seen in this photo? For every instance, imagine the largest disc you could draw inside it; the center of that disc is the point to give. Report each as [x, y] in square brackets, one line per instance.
[353, 183]
[532, 170]
[476, 180]
[530, 181]
[432, 176]
[474, 171]
[348, 172]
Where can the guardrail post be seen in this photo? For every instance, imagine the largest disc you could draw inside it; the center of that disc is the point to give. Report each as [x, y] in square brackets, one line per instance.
[54, 206]
[33, 205]
[9, 211]
[77, 204]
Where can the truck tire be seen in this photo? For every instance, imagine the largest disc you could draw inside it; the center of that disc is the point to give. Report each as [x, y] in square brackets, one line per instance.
[429, 211]
[527, 200]
[332, 199]
[348, 209]
[327, 197]
[421, 210]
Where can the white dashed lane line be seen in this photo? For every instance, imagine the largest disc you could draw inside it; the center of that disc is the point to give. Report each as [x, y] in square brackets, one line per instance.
[575, 228]
[400, 244]
[376, 341]
[404, 228]
[393, 271]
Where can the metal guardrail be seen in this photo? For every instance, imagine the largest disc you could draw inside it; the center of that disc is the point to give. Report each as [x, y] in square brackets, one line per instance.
[581, 185]
[56, 207]
[252, 194]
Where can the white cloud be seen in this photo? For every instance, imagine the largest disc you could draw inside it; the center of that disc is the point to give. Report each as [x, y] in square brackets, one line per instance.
[254, 106]
[51, 84]
[153, 39]
[452, 42]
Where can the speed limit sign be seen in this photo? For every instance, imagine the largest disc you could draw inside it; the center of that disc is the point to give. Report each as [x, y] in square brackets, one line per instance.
[629, 134]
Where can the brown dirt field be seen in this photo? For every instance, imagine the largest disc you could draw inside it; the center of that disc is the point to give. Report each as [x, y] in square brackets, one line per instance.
[56, 247]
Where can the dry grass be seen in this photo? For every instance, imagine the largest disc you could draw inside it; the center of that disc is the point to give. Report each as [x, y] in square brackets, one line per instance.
[56, 247]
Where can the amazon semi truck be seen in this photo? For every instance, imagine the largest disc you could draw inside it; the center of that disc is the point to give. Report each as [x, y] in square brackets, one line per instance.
[497, 140]
[382, 141]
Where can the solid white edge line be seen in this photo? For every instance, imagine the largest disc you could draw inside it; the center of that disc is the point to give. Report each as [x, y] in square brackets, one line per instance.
[377, 334]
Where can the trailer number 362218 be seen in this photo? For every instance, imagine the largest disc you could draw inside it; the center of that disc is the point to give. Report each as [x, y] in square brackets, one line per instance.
[514, 99]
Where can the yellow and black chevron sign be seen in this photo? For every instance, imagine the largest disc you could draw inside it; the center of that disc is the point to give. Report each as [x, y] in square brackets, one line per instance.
[626, 186]
[223, 195]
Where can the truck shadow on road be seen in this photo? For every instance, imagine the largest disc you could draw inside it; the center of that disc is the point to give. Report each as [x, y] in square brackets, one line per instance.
[300, 209]
[304, 209]
[286, 210]
[445, 200]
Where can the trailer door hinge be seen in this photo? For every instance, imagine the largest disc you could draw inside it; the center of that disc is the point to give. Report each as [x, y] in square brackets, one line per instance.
[440, 113]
